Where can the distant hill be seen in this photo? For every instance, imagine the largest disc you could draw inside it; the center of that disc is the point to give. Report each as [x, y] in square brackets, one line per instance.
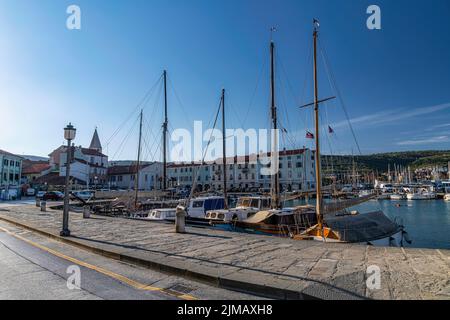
[34, 158]
[381, 161]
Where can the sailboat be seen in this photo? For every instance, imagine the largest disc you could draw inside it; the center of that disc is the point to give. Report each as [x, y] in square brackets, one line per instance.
[370, 228]
[326, 221]
[275, 220]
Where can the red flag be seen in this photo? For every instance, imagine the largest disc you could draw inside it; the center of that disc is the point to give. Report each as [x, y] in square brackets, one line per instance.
[330, 129]
[309, 135]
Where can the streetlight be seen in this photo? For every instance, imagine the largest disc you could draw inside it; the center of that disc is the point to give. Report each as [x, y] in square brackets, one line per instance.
[69, 135]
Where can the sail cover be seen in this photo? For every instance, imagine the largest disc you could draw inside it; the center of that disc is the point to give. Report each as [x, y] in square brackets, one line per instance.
[363, 227]
[341, 205]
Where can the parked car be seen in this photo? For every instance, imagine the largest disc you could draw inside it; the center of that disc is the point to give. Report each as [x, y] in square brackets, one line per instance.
[40, 194]
[53, 196]
[85, 195]
[31, 192]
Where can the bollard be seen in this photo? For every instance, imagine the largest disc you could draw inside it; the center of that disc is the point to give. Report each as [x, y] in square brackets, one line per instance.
[38, 202]
[86, 212]
[43, 206]
[180, 220]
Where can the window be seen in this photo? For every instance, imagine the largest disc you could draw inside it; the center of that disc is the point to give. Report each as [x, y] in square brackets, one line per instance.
[17, 164]
[253, 166]
[5, 162]
[197, 204]
[289, 164]
[281, 166]
[253, 176]
[119, 178]
[298, 164]
[231, 167]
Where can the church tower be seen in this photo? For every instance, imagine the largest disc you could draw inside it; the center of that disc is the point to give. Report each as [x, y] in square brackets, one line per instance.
[95, 142]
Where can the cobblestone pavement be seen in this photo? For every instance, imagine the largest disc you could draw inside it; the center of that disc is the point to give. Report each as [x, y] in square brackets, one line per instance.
[316, 269]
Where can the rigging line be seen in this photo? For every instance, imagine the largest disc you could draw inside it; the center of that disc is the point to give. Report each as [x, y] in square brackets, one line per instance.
[146, 96]
[171, 85]
[333, 84]
[284, 109]
[155, 138]
[122, 144]
[194, 182]
[149, 149]
[258, 81]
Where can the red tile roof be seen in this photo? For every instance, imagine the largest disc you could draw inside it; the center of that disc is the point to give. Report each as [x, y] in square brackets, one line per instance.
[35, 168]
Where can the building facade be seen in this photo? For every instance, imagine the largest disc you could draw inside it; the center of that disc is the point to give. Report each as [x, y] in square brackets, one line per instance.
[10, 169]
[296, 172]
[122, 175]
[88, 165]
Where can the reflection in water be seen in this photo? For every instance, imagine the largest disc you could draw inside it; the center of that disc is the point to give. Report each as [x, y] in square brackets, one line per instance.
[426, 221]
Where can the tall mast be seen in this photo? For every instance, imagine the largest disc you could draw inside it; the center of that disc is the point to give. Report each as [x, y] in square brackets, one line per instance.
[275, 186]
[165, 125]
[316, 115]
[138, 164]
[224, 152]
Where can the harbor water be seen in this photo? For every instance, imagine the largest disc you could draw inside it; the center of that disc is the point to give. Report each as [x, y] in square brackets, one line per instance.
[426, 221]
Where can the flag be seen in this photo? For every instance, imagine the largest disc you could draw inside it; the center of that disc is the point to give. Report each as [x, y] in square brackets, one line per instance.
[330, 129]
[309, 135]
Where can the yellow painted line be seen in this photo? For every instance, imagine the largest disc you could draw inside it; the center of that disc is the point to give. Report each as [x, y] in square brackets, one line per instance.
[121, 278]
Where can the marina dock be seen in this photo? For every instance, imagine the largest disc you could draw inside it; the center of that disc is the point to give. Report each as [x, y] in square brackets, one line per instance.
[270, 266]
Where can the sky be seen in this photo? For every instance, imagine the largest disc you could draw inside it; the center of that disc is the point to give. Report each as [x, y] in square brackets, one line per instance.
[394, 83]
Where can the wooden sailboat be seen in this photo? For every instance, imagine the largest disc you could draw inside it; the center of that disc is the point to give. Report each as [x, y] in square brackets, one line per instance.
[374, 227]
[278, 220]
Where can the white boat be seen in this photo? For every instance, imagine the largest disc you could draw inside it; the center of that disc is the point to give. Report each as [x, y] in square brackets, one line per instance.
[424, 195]
[384, 196]
[245, 208]
[199, 206]
[162, 214]
[447, 197]
[398, 196]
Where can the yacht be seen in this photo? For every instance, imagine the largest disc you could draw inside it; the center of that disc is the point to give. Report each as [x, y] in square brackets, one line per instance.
[245, 208]
[198, 207]
[398, 196]
[422, 194]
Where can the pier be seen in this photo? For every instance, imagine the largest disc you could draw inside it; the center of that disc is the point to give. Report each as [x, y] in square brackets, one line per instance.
[268, 266]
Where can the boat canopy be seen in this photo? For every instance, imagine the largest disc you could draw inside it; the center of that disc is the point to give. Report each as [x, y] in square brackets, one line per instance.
[364, 227]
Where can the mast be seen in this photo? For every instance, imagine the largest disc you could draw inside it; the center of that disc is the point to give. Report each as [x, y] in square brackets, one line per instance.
[138, 163]
[275, 186]
[316, 116]
[165, 125]
[224, 152]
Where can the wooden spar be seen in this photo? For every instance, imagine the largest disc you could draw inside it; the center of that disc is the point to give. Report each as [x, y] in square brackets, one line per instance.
[138, 164]
[275, 186]
[224, 152]
[319, 212]
[165, 125]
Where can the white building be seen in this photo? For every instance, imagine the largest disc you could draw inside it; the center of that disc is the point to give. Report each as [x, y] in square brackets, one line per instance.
[122, 175]
[87, 164]
[296, 172]
[10, 169]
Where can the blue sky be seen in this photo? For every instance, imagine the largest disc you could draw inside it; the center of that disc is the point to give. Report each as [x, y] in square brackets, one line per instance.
[394, 82]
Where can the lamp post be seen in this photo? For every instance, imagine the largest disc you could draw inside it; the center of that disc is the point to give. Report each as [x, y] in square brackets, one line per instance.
[69, 135]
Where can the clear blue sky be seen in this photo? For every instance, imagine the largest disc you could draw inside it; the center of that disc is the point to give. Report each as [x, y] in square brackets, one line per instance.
[395, 82]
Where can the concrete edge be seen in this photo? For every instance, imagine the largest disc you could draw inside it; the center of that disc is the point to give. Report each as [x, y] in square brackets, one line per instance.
[172, 268]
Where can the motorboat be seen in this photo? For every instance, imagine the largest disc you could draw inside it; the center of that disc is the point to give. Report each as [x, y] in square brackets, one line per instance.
[398, 196]
[162, 214]
[421, 195]
[245, 208]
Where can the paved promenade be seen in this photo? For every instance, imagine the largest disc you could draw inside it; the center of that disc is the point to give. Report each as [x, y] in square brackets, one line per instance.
[274, 267]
